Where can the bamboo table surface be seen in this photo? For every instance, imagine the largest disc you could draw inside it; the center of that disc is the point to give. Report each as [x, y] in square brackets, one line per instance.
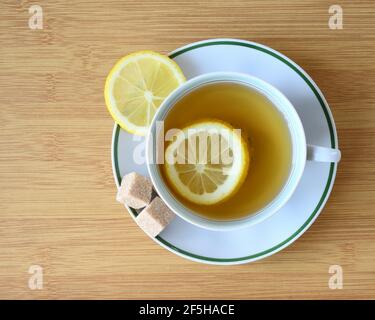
[57, 207]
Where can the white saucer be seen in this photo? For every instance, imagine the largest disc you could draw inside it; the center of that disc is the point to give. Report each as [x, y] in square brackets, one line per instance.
[289, 223]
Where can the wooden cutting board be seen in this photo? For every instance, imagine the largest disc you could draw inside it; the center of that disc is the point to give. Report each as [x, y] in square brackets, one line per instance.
[57, 194]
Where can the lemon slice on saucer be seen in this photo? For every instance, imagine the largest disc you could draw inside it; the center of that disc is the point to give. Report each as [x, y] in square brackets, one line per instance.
[137, 85]
[207, 162]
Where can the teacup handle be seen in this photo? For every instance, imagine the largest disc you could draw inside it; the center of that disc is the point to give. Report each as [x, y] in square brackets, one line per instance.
[323, 154]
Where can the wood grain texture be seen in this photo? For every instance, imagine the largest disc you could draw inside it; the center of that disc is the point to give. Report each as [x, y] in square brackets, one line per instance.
[57, 192]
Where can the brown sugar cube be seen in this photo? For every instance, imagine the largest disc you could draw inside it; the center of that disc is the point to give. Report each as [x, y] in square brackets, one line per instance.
[135, 191]
[155, 217]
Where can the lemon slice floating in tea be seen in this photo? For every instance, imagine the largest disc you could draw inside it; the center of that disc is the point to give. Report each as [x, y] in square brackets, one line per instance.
[137, 85]
[207, 162]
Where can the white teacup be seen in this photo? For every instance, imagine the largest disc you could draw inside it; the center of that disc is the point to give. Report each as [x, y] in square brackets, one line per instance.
[300, 150]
